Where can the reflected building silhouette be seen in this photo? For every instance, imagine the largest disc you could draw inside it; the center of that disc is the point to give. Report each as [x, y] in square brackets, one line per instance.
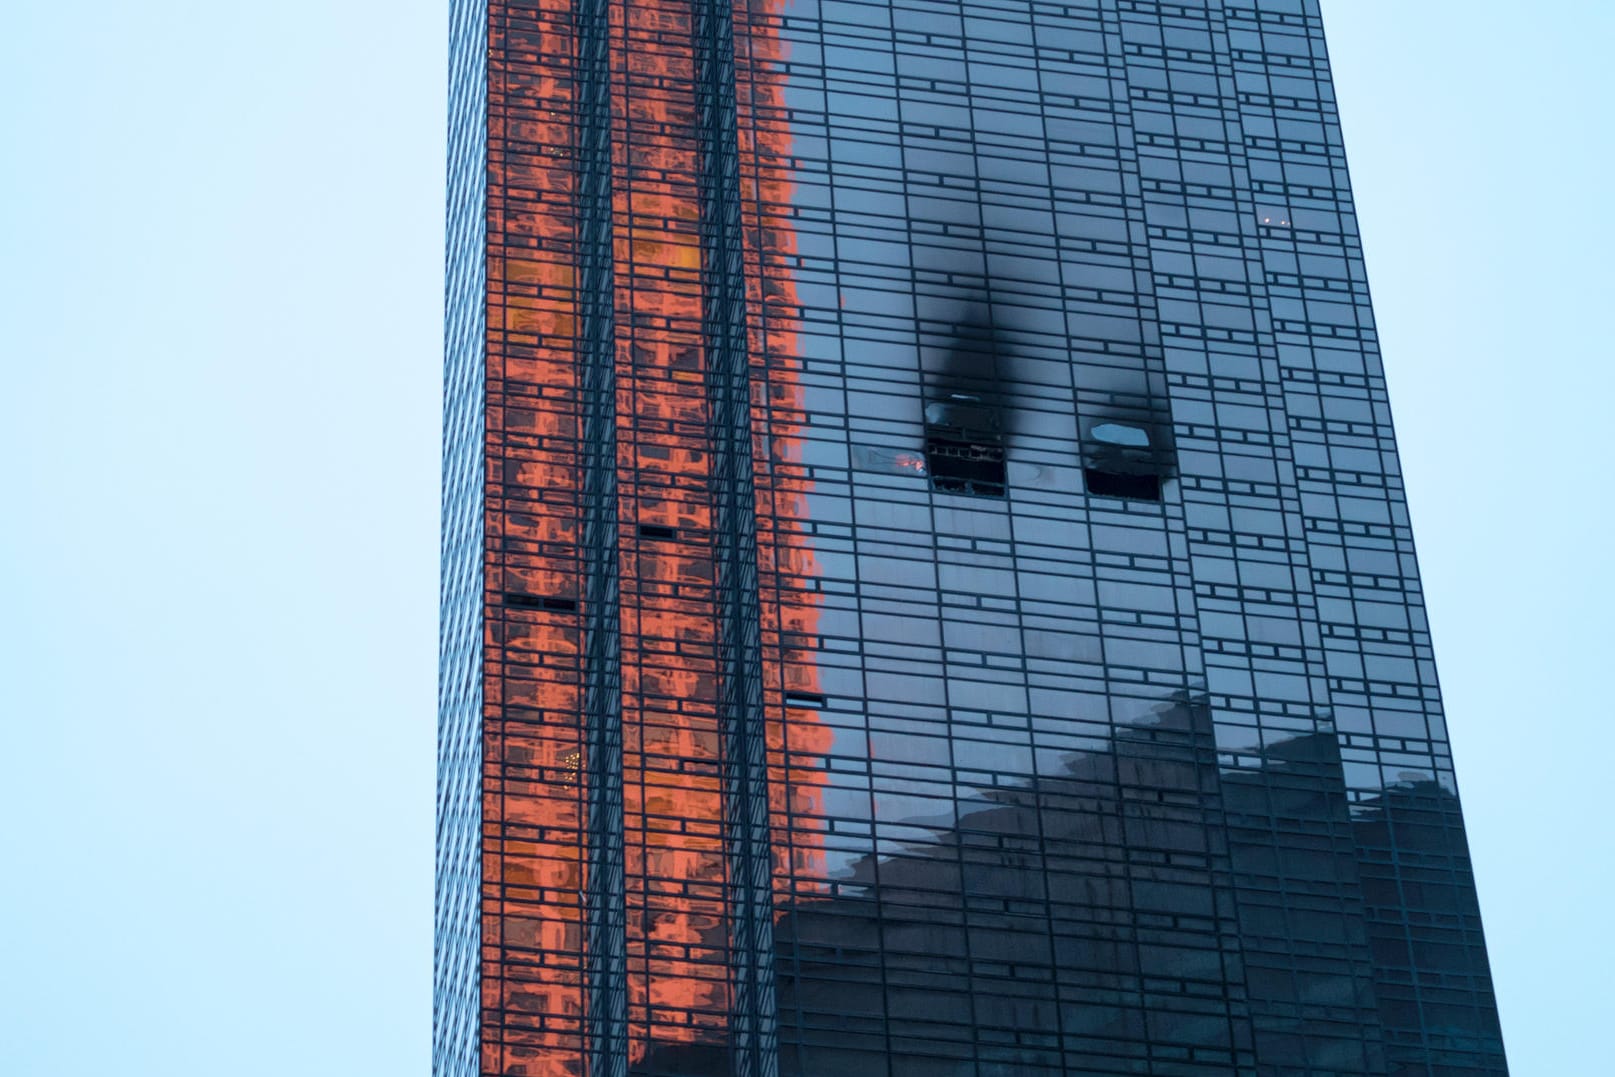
[1148, 910]
[1432, 977]
[1083, 920]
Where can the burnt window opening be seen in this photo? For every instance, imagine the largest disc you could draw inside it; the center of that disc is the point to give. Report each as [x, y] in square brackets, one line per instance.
[964, 446]
[552, 603]
[1116, 484]
[657, 531]
[806, 699]
[1126, 460]
[963, 467]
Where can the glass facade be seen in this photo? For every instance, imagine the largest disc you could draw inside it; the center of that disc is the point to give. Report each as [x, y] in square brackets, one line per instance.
[927, 586]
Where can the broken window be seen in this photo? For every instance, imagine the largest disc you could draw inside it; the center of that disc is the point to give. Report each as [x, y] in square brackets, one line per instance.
[964, 446]
[1114, 484]
[1123, 459]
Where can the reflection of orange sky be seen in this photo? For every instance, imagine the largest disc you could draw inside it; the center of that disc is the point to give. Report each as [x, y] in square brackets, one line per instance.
[534, 989]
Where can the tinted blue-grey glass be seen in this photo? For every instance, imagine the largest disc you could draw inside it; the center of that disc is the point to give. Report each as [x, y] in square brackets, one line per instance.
[1138, 761]
[455, 999]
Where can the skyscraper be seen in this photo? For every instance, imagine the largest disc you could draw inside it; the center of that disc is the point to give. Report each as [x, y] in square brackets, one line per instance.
[927, 587]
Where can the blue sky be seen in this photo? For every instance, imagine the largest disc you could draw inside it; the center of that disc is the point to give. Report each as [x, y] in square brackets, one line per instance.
[220, 253]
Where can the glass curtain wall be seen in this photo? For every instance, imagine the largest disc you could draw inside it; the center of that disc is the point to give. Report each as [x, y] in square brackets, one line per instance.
[928, 587]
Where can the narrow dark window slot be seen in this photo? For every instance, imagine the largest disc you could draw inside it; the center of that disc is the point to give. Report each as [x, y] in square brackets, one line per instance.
[657, 531]
[806, 699]
[1115, 484]
[516, 600]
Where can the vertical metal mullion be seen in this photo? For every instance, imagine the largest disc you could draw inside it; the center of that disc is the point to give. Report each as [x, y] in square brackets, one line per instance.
[753, 1020]
[605, 892]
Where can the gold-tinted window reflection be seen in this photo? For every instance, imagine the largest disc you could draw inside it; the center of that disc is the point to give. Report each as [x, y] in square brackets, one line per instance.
[535, 846]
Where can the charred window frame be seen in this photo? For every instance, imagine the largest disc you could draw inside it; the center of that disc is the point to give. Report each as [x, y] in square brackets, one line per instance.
[1129, 458]
[964, 446]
